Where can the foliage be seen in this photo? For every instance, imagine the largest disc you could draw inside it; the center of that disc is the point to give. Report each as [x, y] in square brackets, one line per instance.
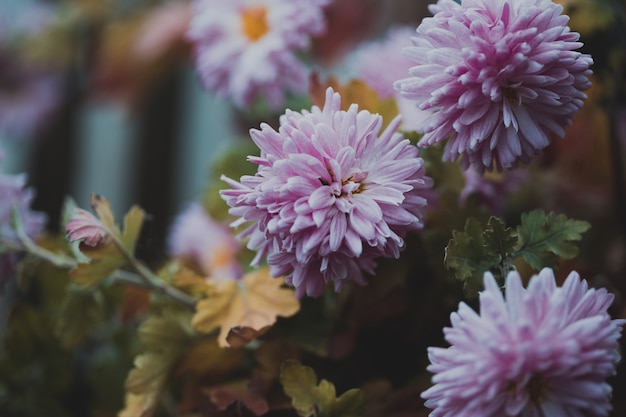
[311, 399]
[541, 240]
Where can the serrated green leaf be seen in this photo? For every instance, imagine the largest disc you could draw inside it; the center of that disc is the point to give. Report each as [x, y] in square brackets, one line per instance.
[500, 241]
[312, 399]
[467, 255]
[546, 239]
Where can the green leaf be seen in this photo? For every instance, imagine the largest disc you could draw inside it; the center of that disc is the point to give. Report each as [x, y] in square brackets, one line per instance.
[467, 254]
[312, 399]
[546, 239]
[81, 312]
[103, 262]
[500, 241]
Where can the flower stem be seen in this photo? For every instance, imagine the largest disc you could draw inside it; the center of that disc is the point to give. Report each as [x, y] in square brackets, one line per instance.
[148, 279]
[125, 277]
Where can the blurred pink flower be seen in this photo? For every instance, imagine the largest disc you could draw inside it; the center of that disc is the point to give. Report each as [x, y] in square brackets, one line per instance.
[380, 63]
[544, 351]
[28, 97]
[15, 193]
[329, 196]
[246, 49]
[500, 77]
[491, 189]
[210, 244]
[84, 225]
[29, 93]
[164, 27]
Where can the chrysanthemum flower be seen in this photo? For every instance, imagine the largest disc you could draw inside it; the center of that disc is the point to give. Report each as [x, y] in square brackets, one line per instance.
[247, 49]
[330, 195]
[544, 351]
[500, 77]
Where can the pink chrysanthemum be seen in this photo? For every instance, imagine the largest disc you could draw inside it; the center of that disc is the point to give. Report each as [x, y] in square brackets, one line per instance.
[211, 245]
[247, 49]
[544, 351]
[500, 76]
[330, 195]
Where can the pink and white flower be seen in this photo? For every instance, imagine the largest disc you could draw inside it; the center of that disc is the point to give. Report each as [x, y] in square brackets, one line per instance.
[331, 194]
[246, 49]
[499, 76]
[540, 351]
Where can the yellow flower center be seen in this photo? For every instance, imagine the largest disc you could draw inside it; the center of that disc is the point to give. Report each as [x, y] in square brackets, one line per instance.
[254, 22]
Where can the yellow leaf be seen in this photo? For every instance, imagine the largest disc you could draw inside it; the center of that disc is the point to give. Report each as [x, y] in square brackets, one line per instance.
[103, 209]
[255, 302]
[164, 338]
[356, 91]
[104, 261]
[312, 399]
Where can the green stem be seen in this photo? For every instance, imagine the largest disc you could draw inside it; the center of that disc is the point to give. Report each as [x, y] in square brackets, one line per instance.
[129, 278]
[149, 279]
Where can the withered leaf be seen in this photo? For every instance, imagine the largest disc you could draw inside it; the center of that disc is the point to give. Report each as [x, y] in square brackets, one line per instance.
[255, 302]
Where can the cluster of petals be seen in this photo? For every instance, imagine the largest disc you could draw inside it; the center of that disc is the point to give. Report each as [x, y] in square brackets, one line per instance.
[330, 195]
[246, 49]
[500, 77]
[84, 226]
[208, 244]
[543, 351]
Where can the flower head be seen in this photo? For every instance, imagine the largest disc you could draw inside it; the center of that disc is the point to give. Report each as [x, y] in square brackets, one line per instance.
[330, 195]
[246, 49]
[84, 226]
[500, 77]
[207, 243]
[544, 351]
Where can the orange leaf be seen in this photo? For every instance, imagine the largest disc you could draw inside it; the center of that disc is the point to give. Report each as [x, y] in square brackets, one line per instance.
[255, 302]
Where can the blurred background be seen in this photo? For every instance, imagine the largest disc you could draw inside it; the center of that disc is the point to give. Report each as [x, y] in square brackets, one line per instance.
[100, 96]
